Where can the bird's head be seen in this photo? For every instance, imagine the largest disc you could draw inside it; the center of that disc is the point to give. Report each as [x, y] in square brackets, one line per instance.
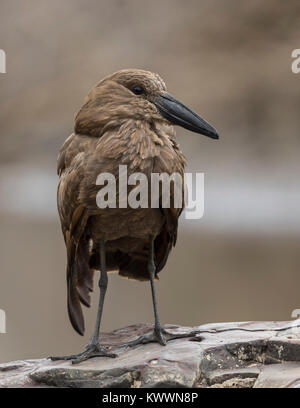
[134, 94]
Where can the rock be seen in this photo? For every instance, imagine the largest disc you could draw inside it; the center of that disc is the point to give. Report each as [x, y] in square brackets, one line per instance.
[222, 355]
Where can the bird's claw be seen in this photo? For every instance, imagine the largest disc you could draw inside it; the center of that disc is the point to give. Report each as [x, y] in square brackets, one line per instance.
[163, 336]
[92, 350]
[159, 335]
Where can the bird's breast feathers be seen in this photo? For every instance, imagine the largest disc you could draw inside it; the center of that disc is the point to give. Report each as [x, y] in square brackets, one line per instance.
[141, 147]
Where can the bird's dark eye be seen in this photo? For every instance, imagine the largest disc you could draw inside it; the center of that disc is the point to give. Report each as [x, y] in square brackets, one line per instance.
[138, 90]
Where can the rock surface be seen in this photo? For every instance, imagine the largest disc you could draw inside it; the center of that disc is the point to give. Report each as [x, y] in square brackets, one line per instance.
[222, 355]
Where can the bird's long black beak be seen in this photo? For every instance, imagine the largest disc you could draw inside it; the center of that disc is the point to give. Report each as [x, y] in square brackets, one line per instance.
[179, 114]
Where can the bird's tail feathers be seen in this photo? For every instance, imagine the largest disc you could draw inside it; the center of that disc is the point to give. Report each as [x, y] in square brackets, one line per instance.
[79, 283]
[74, 306]
[85, 274]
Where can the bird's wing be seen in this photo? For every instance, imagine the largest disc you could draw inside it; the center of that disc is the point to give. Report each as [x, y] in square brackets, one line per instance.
[74, 216]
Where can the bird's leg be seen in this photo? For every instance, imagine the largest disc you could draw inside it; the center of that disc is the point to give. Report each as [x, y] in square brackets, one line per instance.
[158, 330]
[93, 348]
[159, 334]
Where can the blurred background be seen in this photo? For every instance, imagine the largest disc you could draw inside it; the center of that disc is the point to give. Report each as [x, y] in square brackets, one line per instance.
[228, 60]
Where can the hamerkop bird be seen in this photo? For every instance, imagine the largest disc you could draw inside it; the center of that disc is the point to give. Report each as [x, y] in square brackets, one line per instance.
[126, 120]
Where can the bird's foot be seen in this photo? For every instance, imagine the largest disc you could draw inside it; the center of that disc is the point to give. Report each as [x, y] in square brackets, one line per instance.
[159, 335]
[92, 350]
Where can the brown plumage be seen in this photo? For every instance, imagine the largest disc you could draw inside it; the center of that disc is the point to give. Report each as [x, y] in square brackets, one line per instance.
[125, 120]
